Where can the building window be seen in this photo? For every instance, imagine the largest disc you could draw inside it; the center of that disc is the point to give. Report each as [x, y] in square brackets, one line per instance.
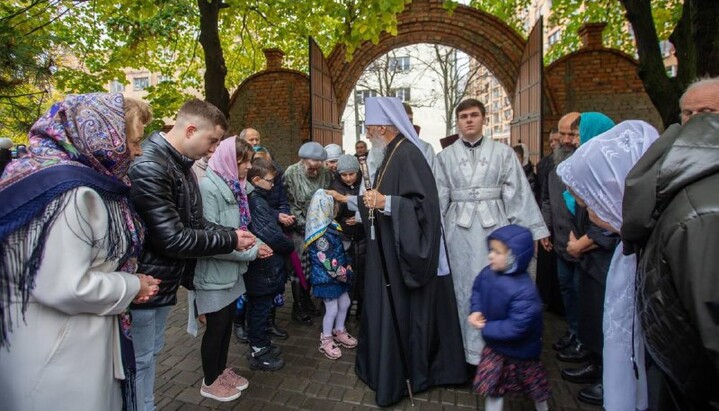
[360, 95]
[401, 93]
[140, 83]
[554, 37]
[672, 70]
[164, 78]
[117, 87]
[361, 128]
[399, 63]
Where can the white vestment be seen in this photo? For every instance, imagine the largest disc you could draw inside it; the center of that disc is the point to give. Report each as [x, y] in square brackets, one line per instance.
[480, 189]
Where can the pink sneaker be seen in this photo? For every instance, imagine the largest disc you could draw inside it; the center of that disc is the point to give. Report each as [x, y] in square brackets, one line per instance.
[234, 380]
[343, 338]
[328, 347]
[219, 391]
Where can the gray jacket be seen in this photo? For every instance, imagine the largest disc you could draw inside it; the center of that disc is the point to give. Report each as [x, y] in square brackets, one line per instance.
[556, 214]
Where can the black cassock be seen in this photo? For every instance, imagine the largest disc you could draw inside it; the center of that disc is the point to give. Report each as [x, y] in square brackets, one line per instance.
[425, 303]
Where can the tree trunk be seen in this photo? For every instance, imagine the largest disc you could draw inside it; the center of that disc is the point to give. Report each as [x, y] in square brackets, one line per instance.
[662, 90]
[696, 45]
[215, 69]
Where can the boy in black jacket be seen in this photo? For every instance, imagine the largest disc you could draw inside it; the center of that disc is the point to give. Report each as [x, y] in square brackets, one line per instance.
[347, 182]
[266, 277]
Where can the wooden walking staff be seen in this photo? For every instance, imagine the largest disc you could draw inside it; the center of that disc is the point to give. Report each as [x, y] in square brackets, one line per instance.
[388, 285]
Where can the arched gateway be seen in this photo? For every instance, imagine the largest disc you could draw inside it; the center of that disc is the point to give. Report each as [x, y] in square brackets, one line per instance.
[516, 63]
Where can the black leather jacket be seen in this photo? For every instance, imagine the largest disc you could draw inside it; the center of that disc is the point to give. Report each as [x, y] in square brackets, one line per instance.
[671, 216]
[165, 193]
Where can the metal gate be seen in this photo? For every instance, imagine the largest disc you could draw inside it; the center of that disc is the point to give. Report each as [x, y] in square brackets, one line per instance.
[325, 127]
[526, 127]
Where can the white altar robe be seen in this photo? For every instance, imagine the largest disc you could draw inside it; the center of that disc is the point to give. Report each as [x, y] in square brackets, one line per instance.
[480, 189]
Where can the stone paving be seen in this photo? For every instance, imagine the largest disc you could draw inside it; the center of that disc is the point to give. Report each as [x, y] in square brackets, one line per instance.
[309, 381]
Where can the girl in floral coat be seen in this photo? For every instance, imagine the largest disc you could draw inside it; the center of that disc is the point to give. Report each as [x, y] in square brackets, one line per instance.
[330, 273]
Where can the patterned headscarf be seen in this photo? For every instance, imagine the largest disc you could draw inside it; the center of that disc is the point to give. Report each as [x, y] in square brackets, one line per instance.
[320, 215]
[80, 141]
[224, 163]
[597, 170]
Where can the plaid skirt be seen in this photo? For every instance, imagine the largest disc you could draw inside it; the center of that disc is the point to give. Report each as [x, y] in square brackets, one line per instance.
[498, 375]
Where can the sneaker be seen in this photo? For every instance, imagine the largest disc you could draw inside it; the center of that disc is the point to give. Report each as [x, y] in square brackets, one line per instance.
[274, 351]
[343, 338]
[219, 391]
[329, 348]
[234, 380]
[263, 360]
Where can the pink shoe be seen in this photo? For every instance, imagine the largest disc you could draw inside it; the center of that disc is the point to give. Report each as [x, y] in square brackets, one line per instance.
[343, 338]
[234, 380]
[328, 347]
[219, 391]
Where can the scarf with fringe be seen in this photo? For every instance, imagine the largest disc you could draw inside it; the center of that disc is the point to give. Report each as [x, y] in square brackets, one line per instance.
[79, 142]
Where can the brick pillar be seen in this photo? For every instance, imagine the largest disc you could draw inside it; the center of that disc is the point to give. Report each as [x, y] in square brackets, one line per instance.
[591, 34]
[275, 58]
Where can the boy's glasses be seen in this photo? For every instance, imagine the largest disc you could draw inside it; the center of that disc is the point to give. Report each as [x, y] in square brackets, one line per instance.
[269, 180]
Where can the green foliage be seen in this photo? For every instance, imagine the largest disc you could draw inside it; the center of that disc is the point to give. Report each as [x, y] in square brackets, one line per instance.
[573, 13]
[512, 12]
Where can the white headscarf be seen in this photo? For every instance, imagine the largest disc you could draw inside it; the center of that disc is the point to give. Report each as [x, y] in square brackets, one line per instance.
[596, 173]
[597, 170]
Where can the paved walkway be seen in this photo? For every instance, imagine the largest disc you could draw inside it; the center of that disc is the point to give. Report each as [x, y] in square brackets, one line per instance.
[309, 381]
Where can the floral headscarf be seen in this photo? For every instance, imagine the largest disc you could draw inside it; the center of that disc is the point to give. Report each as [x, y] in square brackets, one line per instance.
[320, 215]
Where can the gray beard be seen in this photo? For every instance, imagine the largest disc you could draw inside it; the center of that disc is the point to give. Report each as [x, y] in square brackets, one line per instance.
[374, 160]
[560, 154]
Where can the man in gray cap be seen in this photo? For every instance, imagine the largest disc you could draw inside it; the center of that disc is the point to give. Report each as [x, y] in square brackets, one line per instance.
[334, 151]
[302, 179]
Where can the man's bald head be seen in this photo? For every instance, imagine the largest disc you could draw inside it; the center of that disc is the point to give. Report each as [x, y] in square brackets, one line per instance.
[251, 136]
[702, 96]
[568, 128]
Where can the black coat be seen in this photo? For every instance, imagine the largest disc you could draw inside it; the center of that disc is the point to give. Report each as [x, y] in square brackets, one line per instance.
[349, 232]
[556, 214]
[425, 303]
[166, 196]
[671, 217]
[266, 276]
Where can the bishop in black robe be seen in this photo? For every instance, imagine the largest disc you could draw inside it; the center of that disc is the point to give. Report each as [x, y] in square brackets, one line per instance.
[425, 303]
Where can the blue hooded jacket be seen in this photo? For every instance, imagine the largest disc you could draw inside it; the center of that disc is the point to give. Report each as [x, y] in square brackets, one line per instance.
[510, 301]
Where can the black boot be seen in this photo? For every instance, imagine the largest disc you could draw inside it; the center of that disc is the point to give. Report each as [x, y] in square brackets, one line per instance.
[299, 315]
[310, 306]
[273, 330]
[239, 326]
[263, 359]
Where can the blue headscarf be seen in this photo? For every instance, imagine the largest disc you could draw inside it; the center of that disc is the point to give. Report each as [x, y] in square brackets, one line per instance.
[591, 124]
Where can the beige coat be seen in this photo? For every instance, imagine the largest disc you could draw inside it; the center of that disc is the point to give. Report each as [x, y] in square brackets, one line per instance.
[66, 355]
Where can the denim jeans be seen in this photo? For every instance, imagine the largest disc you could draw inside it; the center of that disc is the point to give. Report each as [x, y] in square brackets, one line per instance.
[569, 287]
[148, 338]
[258, 314]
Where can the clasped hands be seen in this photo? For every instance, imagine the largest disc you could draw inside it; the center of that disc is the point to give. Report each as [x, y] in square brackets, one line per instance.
[245, 240]
[477, 320]
[374, 199]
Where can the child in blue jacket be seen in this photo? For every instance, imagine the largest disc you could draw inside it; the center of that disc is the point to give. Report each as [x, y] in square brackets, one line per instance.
[330, 273]
[507, 308]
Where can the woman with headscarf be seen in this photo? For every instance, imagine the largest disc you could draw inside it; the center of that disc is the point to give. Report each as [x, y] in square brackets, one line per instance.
[595, 175]
[70, 242]
[218, 280]
[594, 248]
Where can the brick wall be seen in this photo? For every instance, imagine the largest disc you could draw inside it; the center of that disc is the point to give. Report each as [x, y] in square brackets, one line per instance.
[596, 78]
[276, 102]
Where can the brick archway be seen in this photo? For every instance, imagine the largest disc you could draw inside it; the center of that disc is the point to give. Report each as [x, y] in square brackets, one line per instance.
[480, 35]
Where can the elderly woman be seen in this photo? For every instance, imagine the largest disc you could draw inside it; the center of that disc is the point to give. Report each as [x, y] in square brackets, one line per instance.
[70, 241]
[595, 175]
